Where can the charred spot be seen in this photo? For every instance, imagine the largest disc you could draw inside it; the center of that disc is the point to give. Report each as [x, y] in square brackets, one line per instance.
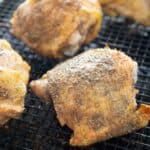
[96, 121]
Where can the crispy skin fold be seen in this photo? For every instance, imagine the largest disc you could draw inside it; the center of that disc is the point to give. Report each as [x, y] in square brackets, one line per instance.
[55, 28]
[139, 10]
[14, 75]
[94, 95]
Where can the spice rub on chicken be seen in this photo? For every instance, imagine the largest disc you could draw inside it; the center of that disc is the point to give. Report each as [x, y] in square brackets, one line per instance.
[139, 10]
[14, 75]
[94, 95]
[55, 28]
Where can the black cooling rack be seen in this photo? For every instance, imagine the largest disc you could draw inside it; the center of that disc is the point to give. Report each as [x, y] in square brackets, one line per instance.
[38, 128]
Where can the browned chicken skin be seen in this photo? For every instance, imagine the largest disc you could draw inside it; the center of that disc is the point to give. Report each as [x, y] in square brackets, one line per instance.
[55, 28]
[139, 10]
[94, 95]
[14, 75]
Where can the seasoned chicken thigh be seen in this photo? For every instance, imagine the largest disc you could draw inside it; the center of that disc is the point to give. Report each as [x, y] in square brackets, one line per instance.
[55, 28]
[94, 95]
[139, 10]
[14, 75]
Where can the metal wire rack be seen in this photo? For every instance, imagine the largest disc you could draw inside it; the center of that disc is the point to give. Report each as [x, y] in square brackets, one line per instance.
[38, 128]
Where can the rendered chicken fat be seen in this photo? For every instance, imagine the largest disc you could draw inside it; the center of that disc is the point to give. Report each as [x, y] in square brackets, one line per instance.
[55, 28]
[14, 75]
[94, 95]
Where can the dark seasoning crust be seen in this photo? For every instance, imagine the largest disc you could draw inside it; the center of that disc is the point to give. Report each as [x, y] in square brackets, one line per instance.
[37, 29]
[52, 30]
[92, 66]
[107, 78]
[99, 69]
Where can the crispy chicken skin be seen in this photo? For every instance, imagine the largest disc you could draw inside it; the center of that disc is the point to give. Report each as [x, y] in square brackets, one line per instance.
[94, 95]
[14, 75]
[139, 10]
[55, 28]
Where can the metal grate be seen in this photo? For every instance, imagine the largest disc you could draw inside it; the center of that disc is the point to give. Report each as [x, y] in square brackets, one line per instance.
[38, 127]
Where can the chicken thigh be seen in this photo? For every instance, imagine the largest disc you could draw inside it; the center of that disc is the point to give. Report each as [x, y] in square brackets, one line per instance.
[139, 10]
[55, 28]
[94, 95]
[14, 75]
